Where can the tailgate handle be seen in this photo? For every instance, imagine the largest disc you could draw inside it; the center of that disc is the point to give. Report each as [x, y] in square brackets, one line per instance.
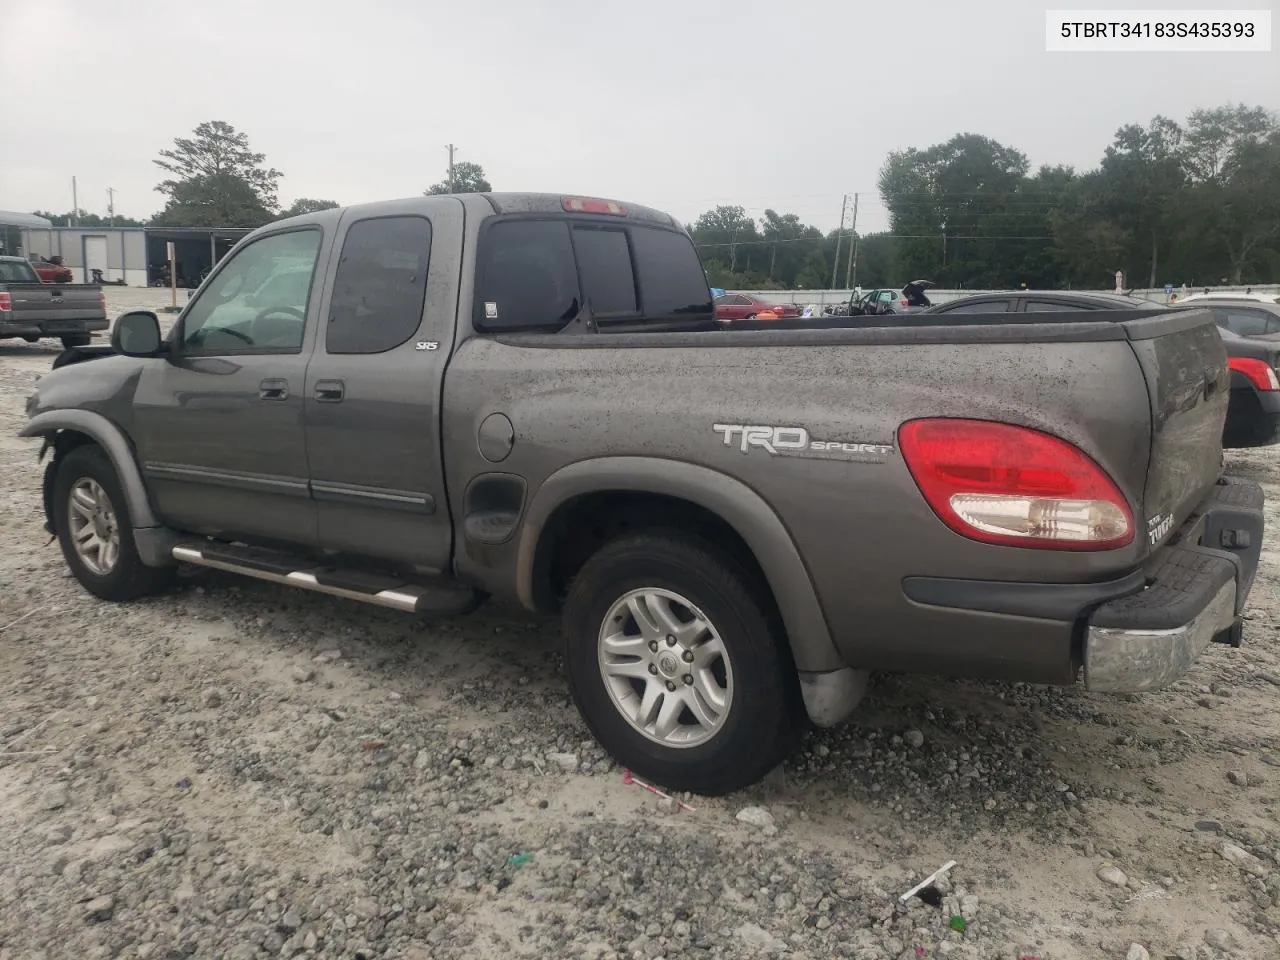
[1210, 383]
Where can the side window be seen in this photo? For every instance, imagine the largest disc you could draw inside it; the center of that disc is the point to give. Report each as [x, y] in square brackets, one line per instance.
[738, 300]
[1273, 324]
[380, 285]
[604, 264]
[1048, 306]
[985, 306]
[723, 301]
[526, 277]
[886, 296]
[1246, 323]
[258, 301]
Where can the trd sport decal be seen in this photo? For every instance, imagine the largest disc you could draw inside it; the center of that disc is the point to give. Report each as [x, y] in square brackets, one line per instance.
[796, 442]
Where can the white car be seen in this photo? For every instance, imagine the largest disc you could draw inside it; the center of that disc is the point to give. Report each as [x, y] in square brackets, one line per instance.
[1254, 297]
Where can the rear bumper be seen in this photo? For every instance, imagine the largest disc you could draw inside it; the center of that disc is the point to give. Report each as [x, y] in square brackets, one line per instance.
[1195, 593]
[1253, 418]
[50, 328]
[1143, 630]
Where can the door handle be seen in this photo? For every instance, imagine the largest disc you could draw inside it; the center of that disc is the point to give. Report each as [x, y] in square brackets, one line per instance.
[273, 389]
[330, 391]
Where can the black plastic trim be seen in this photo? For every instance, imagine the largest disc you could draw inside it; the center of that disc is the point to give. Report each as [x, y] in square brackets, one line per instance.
[1065, 602]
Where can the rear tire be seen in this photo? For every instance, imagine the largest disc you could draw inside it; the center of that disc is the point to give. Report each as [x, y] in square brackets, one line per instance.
[709, 644]
[94, 529]
[76, 340]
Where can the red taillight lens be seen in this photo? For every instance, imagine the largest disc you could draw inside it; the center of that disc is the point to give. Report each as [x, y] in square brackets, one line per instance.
[1259, 372]
[588, 205]
[6, 302]
[903, 303]
[1015, 486]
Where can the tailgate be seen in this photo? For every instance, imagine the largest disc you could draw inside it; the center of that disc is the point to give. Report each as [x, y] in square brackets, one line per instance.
[1185, 366]
[55, 302]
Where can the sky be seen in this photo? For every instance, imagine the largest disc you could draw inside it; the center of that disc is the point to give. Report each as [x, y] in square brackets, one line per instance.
[678, 104]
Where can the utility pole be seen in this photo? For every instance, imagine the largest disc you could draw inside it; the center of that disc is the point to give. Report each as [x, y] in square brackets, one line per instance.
[111, 206]
[853, 245]
[835, 267]
[450, 147]
[75, 204]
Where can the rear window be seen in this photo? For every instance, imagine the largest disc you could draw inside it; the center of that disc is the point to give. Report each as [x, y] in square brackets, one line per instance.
[532, 274]
[608, 280]
[12, 271]
[526, 279]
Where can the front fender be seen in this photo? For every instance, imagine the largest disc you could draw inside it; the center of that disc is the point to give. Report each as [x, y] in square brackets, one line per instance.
[111, 439]
[731, 500]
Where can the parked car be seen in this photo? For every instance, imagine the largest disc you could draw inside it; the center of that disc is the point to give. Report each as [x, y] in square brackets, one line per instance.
[747, 306]
[882, 302]
[52, 270]
[1251, 330]
[31, 309]
[1253, 416]
[1227, 295]
[527, 396]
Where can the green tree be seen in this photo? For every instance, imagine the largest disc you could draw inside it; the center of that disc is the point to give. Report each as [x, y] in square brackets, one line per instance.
[723, 233]
[468, 177]
[307, 205]
[1142, 175]
[216, 180]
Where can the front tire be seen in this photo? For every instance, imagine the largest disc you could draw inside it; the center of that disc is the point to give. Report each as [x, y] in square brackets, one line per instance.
[676, 665]
[94, 529]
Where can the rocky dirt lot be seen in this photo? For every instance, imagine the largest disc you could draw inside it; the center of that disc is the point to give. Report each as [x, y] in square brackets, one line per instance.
[238, 771]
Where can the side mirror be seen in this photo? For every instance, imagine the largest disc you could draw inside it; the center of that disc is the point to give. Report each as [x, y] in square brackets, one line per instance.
[137, 334]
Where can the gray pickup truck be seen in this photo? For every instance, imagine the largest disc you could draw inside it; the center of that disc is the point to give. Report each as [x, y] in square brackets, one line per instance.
[30, 309]
[421, 403]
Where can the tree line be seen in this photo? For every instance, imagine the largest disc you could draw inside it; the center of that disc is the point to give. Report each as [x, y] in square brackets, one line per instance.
[1195, 202]
[216, 180]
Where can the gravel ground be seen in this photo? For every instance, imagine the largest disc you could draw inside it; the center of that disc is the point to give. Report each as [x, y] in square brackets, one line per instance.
[237, 770]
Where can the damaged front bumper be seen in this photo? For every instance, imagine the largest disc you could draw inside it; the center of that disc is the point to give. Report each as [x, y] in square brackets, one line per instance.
[1194, 594]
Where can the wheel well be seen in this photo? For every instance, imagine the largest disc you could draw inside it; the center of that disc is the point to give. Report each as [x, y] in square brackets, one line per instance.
[581, 526]
[62, 443]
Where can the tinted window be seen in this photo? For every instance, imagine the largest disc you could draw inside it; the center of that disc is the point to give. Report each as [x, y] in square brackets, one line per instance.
[1048, 306]
[672, 284]
[1246, 323]
[604, 264]
[380, 285]
[14, 271]
[258, 301]
[526, 276]
[738, 300]
[984, 306]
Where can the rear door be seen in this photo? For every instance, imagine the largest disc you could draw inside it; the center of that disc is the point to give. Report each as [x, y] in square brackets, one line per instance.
[372, 396]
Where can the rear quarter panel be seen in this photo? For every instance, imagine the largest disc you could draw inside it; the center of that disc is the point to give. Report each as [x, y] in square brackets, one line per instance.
[860, 523]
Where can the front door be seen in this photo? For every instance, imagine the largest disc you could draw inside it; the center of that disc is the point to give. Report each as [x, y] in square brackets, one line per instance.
[218, 422]
[374, 383]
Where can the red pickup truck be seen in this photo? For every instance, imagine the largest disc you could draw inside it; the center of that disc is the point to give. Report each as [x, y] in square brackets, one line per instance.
[52, 270]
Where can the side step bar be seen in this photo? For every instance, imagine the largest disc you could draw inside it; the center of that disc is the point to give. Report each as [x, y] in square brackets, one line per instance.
[382, 591]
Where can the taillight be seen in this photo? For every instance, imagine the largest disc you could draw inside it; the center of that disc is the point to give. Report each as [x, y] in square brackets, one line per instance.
[588, 205]
[6, 302]
[1015, 486]
[1258, 372]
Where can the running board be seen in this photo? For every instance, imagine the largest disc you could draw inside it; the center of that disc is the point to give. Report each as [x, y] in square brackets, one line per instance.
[382, 591]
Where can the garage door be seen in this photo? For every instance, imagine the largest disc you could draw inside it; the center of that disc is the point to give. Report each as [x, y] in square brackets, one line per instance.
[95, 256]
